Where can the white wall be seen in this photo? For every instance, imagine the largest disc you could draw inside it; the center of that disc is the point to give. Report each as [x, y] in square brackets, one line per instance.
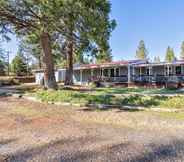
[38, 77]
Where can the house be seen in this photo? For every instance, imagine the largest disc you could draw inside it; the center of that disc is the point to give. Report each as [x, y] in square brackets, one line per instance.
[132, 72]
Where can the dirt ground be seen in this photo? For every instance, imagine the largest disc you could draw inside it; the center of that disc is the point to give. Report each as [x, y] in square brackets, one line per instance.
[35, 132]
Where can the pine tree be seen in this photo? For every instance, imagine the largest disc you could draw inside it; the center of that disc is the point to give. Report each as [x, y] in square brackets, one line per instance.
[142, 52]
[93, 33]
[170, 56]
[19, 66]
[182, 51]
[24, 17]
[2, 68]
[75, 21]
[104, 57]
[2, 62]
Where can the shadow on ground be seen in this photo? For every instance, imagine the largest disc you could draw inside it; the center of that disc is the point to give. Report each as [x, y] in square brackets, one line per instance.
[68, 150]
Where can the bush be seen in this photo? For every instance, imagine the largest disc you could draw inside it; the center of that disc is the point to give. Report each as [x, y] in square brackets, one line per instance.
[105, 98]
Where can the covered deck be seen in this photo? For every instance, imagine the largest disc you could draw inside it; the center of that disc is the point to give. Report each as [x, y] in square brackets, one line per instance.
[160, 73]
[115, 72]
[135, 72]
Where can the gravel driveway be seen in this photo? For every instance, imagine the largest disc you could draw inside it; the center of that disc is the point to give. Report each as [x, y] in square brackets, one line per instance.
[46, 133]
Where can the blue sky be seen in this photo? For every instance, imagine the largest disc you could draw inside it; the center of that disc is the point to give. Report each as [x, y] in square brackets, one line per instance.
[158, 22]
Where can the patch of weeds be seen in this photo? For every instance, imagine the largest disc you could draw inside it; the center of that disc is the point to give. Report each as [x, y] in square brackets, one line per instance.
[109, 99]
[171, 115]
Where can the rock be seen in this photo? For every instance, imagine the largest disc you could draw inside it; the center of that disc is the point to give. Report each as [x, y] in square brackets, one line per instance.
[17, 95]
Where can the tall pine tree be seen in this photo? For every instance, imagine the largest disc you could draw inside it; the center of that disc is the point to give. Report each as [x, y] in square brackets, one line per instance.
[87, 25]
[76, 21]
[182, 51]
[24, 17]
[18, 65]
[2, 62]
[142, 52]
[170, 56]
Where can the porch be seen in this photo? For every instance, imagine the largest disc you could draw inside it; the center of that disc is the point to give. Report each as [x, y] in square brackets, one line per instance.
[106, 74]
[152, 74]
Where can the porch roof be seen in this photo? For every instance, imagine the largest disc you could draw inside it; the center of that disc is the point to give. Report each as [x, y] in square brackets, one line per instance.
[177, 62]
[110, 64]
[135, 63]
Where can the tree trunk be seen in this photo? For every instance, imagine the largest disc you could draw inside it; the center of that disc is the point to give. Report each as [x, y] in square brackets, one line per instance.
[39, 62]
[49, 73]
[69, 68]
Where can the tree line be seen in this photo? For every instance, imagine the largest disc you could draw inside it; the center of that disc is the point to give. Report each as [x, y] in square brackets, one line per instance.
[59, 31]
[142, 53]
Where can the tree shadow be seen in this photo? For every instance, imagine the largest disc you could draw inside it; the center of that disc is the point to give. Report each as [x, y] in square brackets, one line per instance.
[118, 109]
[7, 141]
[120, 153]
[162, 152]
[24, 156]
[7, 91]
[129, 110]
[157, 152]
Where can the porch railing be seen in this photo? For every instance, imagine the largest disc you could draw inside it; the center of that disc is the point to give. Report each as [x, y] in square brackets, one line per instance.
[123, 79]
[158, 78]
[142, 79]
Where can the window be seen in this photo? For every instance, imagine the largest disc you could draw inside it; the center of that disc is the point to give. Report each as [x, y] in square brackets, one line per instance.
[178, 70]
[168, 70]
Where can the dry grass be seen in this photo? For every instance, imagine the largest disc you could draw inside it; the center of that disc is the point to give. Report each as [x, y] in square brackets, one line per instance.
[40, 132]
[135, 119]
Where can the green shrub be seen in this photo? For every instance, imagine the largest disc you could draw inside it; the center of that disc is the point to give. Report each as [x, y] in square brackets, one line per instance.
[105, 98]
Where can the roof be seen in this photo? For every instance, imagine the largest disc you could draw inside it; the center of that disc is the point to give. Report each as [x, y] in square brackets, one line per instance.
[176, 62]
[111, 64]
[138, 63]
[108, 64]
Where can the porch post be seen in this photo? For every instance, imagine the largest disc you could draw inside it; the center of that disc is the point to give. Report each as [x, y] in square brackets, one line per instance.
[140, 70]
[182, 69]
[140, 73]
[150, 73]
[129, 74]
[174, 70]
[133, 71]
[109, 74]
[91, 73]
[91, 79]
[115, 76]
[81, 77]
[168, 70]
[102, 75]
[165, 70]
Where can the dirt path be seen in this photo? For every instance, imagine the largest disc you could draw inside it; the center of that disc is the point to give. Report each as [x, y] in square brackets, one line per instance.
[47, 133]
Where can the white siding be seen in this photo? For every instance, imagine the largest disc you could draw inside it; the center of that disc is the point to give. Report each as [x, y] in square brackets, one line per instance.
[38, 77]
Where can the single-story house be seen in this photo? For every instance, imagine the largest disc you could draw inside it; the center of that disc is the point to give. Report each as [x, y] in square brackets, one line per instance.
[125, 72]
